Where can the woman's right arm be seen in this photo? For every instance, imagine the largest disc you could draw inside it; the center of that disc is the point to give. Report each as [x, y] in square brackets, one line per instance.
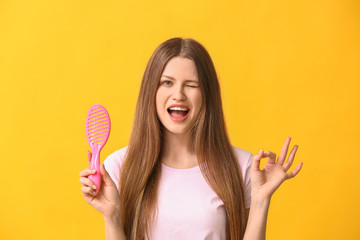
[107, 201]
[114, 229]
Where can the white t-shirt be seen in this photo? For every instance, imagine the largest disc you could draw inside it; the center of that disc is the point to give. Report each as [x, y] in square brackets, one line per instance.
[188, 208]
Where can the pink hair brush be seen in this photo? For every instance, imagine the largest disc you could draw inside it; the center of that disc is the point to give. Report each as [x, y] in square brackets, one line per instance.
[97, 134]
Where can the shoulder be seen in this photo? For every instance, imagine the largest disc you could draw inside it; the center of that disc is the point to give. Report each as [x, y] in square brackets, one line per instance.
[242, 155]
[244, 158]
[115, 159]
[113, 163]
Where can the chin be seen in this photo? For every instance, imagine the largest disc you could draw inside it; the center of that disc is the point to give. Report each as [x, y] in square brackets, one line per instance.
[177, 130]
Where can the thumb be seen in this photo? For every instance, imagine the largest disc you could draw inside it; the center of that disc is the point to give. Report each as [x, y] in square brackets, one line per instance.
[256, 161]
[105, 175]
[89, 154]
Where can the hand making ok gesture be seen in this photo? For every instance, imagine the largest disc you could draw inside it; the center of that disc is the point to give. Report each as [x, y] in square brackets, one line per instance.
[264, 182]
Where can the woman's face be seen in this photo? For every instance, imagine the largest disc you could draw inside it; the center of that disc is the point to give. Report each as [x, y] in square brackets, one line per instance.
[179, 87]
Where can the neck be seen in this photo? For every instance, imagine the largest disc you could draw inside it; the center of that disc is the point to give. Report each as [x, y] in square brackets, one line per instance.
[178, 150]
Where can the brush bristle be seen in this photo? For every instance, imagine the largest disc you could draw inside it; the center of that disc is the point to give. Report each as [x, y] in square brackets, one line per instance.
[97, 126]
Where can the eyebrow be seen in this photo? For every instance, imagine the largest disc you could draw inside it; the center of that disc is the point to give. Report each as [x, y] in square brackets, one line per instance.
[185, 80]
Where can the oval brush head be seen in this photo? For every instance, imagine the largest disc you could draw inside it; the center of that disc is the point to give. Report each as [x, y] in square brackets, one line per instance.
[97, 134]
[97, 126]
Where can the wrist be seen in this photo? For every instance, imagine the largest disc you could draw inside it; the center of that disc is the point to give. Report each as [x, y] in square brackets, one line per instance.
[260, 204]
[113, 215]
[259, 199]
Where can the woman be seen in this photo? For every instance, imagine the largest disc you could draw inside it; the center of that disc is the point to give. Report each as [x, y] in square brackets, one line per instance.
[180, 178]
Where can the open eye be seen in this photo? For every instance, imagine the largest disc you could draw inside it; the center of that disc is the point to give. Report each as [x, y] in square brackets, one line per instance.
[166, 83]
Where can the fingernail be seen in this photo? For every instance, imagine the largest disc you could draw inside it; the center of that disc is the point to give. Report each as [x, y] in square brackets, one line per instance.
[93, 171]
[260, 152]
[94, 186]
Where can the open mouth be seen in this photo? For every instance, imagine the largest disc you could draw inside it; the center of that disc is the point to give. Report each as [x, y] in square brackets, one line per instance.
[178, 114]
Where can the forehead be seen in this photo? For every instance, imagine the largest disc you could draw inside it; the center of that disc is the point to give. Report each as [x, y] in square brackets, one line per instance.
[181, 68]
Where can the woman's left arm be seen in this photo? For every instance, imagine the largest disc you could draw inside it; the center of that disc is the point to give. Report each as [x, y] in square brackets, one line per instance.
[263, 184]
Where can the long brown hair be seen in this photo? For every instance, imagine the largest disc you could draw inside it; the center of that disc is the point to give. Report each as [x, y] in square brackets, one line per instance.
[141, 170]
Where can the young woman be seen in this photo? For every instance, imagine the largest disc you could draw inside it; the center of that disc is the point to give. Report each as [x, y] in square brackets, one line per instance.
[179, 177]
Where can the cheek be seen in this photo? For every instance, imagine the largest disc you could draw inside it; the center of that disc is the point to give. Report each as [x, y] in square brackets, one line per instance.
[159, 101]
[198, 100]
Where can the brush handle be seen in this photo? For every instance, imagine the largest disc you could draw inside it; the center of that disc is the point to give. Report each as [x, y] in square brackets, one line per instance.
[95, 164]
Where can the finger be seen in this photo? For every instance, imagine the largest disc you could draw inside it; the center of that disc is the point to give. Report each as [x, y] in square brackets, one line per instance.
[284, 150]
[294, 172]
[86, 172]
[271, 156]
[89, 154]
[105, 174]
[290, 160]
[88, 190]
[256, 161]
[87, 183]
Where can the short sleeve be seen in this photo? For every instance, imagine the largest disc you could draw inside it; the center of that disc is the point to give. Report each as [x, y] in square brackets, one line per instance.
[245, 160]
[113, 164]
[247, 182]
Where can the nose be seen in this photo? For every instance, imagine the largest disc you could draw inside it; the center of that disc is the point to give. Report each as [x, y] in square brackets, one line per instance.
[179, 94]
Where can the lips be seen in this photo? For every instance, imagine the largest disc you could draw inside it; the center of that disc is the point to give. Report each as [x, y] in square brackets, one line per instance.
[179, 105]
[178, 115]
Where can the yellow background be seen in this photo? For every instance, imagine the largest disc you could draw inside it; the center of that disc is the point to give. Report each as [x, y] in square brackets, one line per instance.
[286, 68]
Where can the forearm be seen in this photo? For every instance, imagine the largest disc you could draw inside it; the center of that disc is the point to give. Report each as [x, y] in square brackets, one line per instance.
[256, 225]
[114, 229]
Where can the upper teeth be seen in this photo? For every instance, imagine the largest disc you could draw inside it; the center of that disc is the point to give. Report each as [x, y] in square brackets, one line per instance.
[178, 108]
